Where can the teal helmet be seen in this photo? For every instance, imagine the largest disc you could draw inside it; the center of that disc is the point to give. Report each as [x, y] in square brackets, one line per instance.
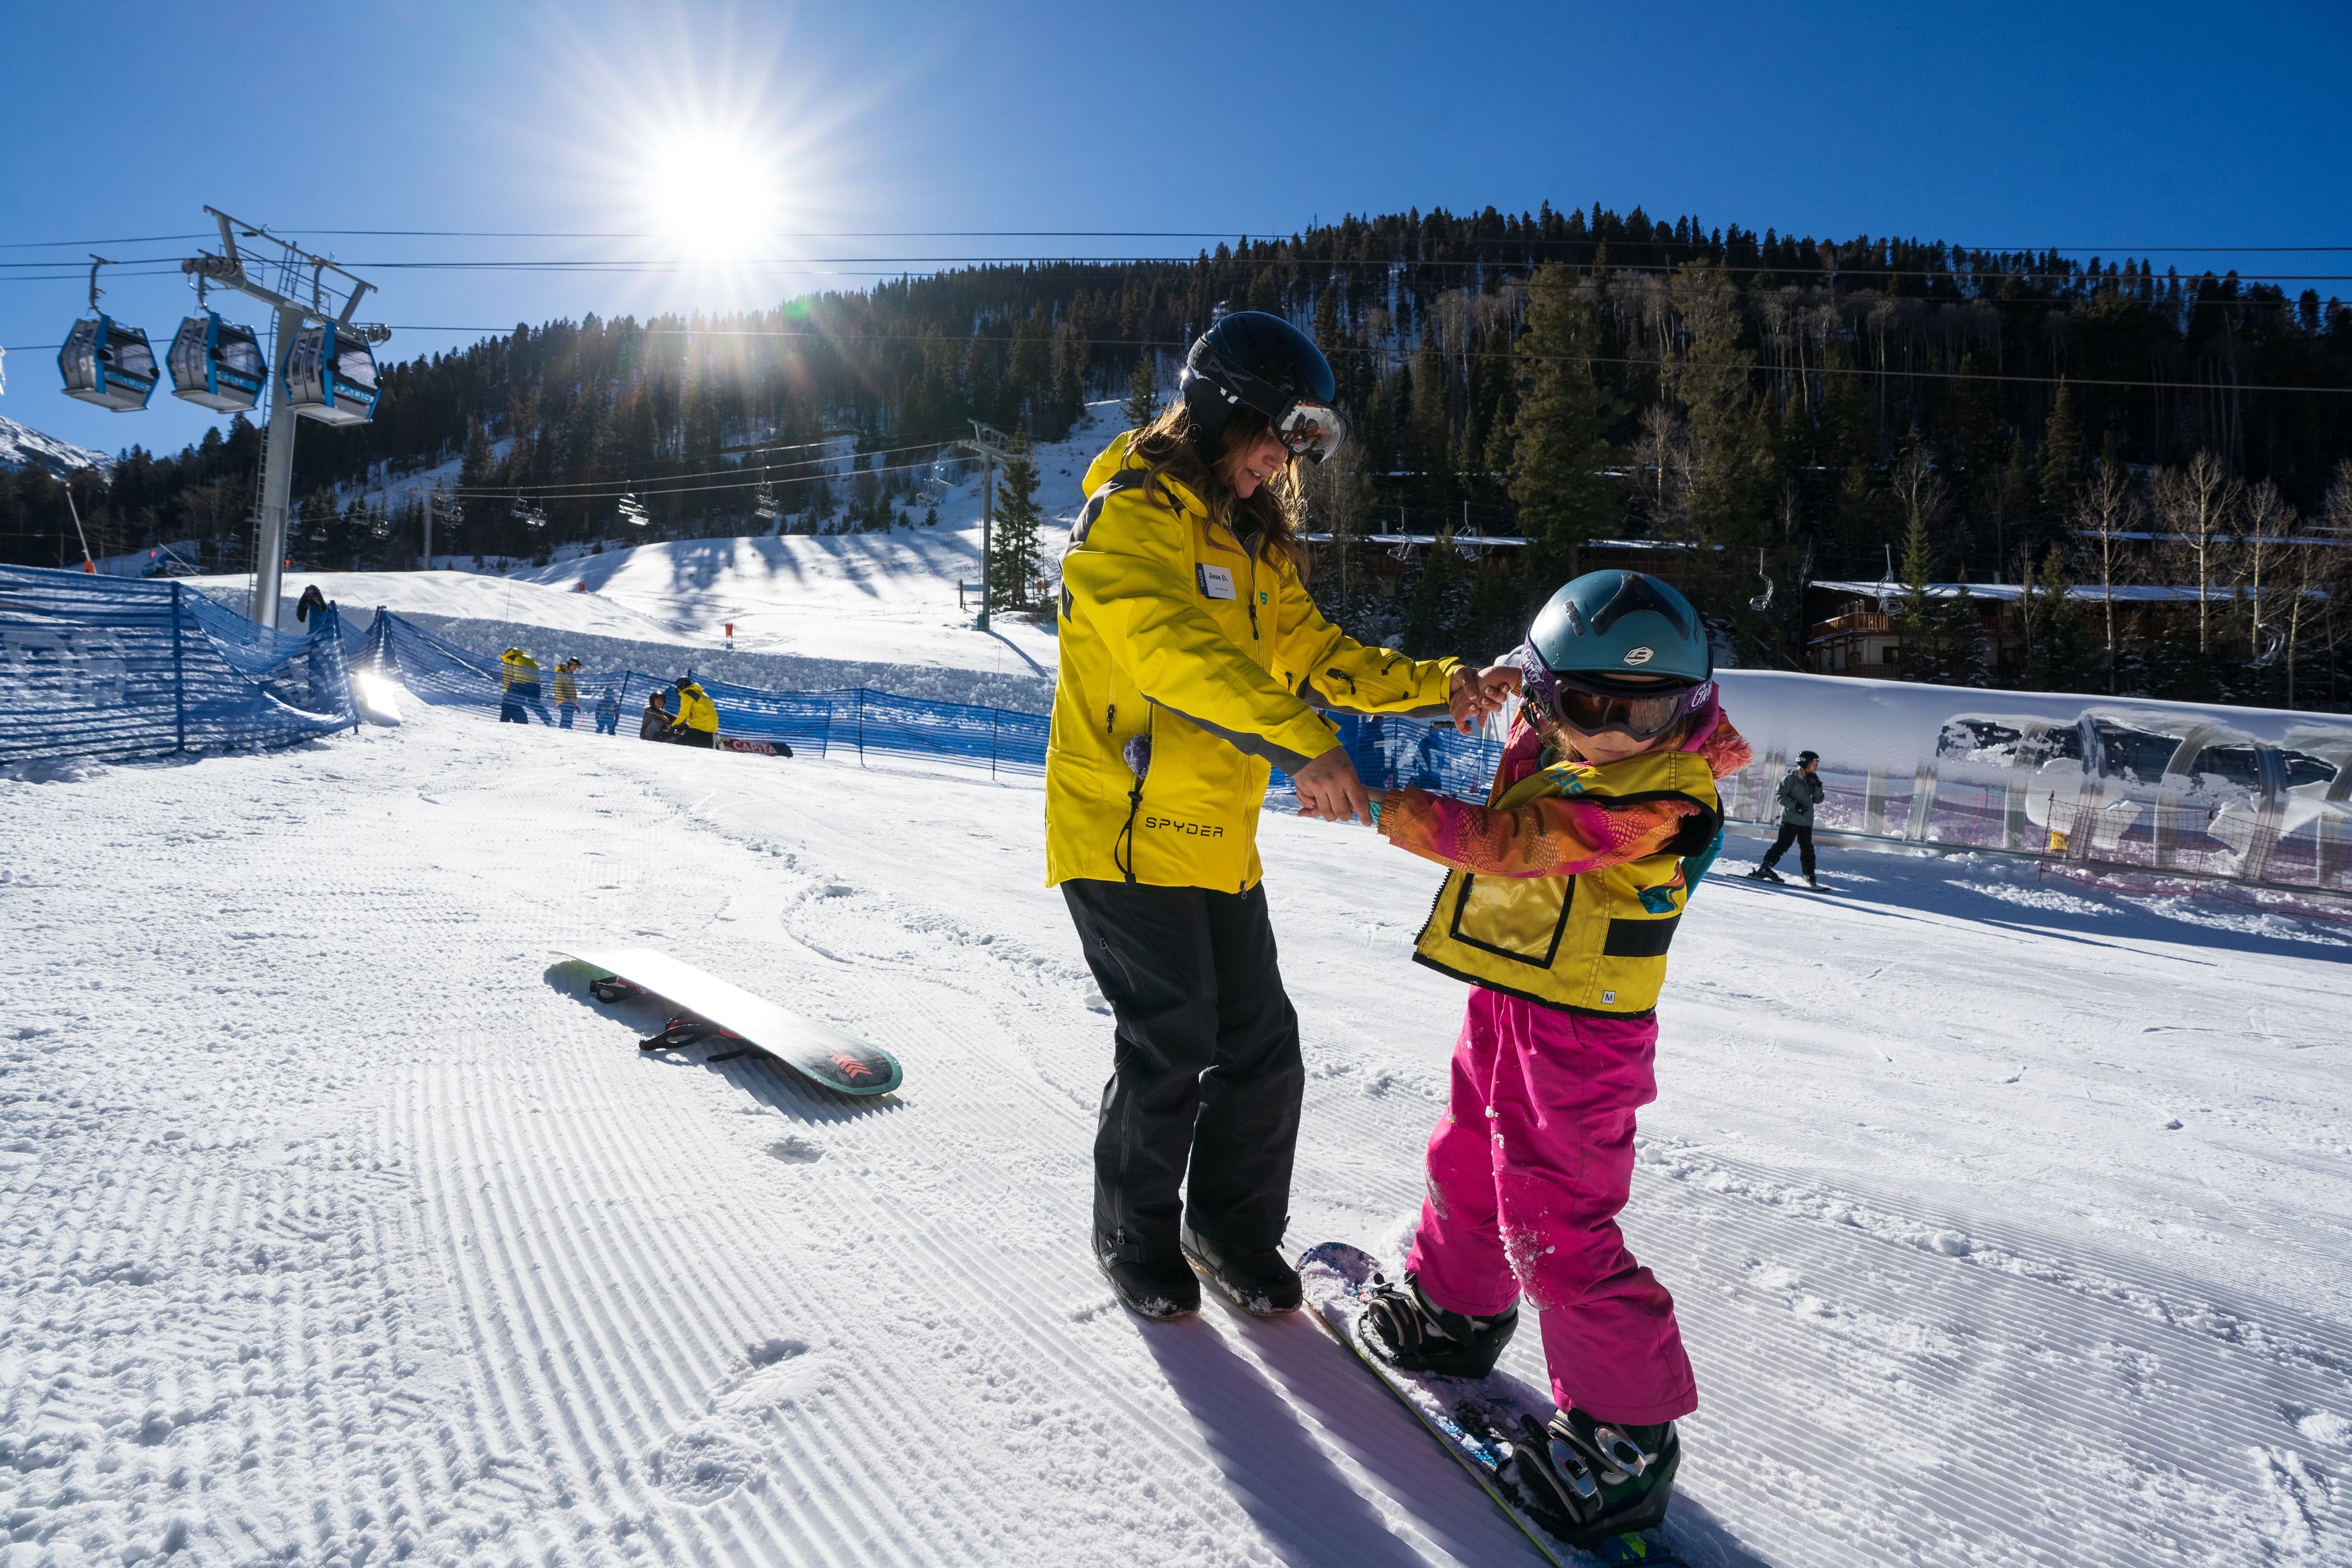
[1618, 651]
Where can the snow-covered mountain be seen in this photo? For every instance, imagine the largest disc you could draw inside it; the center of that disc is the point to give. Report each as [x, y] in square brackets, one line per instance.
[22, 446]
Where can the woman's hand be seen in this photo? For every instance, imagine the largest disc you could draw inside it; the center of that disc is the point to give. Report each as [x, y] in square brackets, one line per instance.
[1328, 788]
[1474, 694]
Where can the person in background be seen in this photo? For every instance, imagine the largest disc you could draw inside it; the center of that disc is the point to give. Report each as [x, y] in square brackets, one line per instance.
[521, 698]
[1801, 791]
[608, 713]
[698, 716]
[567, 691]
[654, 723]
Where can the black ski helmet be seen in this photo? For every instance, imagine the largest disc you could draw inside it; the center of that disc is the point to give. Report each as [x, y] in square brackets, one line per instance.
[1251, 357]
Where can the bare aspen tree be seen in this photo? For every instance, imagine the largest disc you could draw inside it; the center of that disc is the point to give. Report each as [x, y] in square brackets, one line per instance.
[2196, 503]
[2269, 522]
[1663, 448]
[2107, 510]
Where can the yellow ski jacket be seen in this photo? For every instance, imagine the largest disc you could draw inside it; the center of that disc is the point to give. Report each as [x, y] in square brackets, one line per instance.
[1175, 634]
[696, 711]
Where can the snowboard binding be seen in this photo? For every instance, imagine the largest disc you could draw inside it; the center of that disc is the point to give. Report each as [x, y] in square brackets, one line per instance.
[686, 1029]
[1587, 1482]
[612, 988]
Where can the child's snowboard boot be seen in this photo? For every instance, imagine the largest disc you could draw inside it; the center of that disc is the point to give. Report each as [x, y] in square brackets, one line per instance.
[1410, 1333]
[1597, 1479]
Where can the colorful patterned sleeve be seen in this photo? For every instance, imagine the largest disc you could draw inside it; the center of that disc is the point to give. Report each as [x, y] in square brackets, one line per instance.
[1558, 835]
[1555, 837]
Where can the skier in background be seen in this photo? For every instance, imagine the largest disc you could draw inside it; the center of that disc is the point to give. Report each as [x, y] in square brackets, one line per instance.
[1191, 657]
[567, 691]
[1801, 791]
[1562, 893]
[608, 713]
[652, 724]
[521, 695]
[698, 716]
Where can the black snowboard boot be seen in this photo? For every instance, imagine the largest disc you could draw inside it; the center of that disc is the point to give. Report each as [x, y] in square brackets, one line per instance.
[1162, 1288]
[1406, 1329]
[1765, 874]
[1588, 1479]
[1259, 1281]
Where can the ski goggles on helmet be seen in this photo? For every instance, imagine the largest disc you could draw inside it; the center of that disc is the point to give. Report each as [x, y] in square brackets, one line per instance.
[1311, 430]
[1307, 427]
[1602, 704]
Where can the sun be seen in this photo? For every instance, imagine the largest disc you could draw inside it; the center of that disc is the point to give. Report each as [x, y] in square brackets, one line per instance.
[712, 196]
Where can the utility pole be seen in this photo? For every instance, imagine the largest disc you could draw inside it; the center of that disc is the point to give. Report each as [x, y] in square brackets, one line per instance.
[276, 270]
[988, 444]
[89, 565]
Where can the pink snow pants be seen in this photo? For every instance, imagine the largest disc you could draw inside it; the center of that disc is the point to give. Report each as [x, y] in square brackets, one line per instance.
[1527, 1170]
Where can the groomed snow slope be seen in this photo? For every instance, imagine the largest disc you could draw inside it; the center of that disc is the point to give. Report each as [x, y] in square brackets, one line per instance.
[885, 598]
[2009, 1222]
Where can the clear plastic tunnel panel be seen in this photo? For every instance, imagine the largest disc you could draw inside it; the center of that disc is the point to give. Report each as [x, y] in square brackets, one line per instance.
[107, 364]
[215, 364]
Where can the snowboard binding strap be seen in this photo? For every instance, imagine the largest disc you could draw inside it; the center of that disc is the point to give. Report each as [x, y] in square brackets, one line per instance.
[612, 988]
[686, 1029]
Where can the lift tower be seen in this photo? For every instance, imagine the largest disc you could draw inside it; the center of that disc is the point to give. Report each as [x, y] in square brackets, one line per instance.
[295, 284]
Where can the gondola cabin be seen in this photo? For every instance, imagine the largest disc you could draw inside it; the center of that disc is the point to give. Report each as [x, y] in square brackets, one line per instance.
[216, 365]
[331, 375]
[107, 364]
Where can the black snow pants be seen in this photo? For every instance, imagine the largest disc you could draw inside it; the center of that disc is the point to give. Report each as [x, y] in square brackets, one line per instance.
[1206, 1071]
[1801, 834]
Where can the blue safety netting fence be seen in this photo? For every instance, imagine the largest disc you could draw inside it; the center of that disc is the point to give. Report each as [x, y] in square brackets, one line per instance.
[113, 667]
[1389, 753]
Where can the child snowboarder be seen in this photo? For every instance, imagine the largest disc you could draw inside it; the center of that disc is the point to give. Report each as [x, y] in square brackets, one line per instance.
[652, 724]
[608, 713]
[1563, 893]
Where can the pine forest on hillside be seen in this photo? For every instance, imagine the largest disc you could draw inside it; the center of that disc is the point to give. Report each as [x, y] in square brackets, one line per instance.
[1795, 409]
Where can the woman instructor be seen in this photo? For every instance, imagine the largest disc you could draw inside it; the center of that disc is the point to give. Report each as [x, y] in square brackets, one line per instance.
[1192, 660]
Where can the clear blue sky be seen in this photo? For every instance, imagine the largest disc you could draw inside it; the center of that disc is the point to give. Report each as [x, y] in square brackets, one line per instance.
[2098, 127]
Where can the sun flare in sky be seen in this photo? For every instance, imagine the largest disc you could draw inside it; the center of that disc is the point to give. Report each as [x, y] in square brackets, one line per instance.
[711, 196]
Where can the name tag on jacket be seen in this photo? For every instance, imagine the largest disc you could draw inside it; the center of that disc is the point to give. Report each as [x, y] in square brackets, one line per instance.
[1216, 581]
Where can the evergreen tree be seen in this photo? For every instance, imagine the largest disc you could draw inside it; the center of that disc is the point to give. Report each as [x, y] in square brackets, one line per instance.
[1921, 625]
[1142, 405]
[1430, 612]
[2062, 461]
[1012, 553]
[1558, 435]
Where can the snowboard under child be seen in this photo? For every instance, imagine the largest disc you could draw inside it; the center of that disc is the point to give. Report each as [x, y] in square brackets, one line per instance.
[1561, 897]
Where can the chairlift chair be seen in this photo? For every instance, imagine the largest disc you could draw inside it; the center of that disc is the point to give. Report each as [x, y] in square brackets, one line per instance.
[104, 361]
[528, 514]
[767, 509]
[330, 374]
[216, 365]
[2273, 641]
[1763, 601]
[633, 511]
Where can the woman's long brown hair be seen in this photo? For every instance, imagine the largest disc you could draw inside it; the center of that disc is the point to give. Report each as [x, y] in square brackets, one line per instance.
[1273, 511]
